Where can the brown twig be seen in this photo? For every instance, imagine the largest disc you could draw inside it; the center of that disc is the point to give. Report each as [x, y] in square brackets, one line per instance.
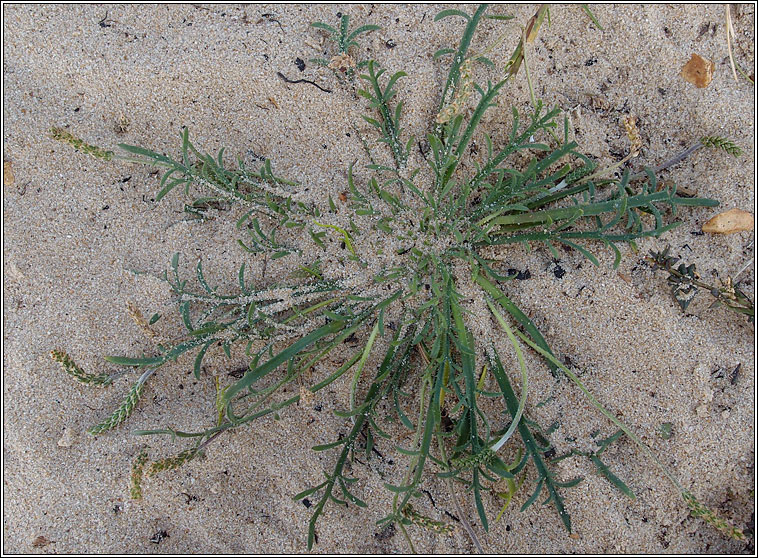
[288, 80]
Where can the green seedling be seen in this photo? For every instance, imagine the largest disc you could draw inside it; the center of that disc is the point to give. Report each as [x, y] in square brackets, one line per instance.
[343, 64]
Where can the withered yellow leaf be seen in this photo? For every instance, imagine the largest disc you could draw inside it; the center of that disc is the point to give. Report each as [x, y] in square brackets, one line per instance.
[698, 71]
[732, 221]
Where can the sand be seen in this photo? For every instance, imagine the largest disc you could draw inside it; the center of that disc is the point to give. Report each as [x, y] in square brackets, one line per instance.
[75, 226]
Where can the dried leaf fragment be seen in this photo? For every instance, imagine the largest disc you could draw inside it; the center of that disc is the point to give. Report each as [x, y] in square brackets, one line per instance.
[8, 178]
[41, 541]
[122, 124]
[306, 396]
[462, 94]
[732, 221]
[698, 71]
[135, 490]
[139, 319]
[342, 62]
[633, 133]
[68, 438]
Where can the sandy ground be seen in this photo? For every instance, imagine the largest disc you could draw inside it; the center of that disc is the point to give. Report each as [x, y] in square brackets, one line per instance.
[74, 227]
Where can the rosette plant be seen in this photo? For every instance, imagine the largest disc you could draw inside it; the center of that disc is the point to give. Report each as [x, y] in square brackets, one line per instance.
[420, 283]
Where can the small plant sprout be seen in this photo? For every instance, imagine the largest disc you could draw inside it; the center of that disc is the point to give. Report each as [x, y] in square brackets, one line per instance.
[342, 63]
[408, 302]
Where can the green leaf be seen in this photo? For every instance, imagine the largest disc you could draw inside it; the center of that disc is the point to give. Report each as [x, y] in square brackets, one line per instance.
[499, 17]
[587, 10]
[309, 491]
[324, 26]
[447, 13]
[442, 52]
[324, 447]
[273, 363]
[615, 481]
[362, 29]
[127, 361]
[398, 489]
[534, 495]
[199, 358]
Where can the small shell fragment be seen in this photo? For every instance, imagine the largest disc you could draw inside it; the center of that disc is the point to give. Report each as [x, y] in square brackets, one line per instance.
[732, 221]
[698, 71]
[68, 439]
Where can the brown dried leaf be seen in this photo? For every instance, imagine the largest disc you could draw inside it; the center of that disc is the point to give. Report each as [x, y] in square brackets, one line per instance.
[139, 319]
[342, 62]
[41, 541]
[633, 133]
[732, 221]
[698, 71]
[8, 178]
[306, 396]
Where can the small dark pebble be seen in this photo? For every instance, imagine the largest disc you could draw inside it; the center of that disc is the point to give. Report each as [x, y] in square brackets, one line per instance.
[158, 537]
[520, 275]
[447, 424]
[300, 64]
[385, 534]
[350, 338]
[307, 502]
[735, 373]
[616, 153]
